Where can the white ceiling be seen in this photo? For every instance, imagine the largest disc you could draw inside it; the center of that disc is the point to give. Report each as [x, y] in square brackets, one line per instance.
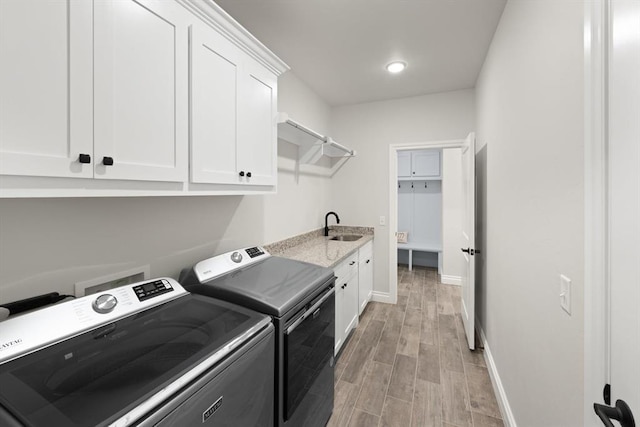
[340, 47]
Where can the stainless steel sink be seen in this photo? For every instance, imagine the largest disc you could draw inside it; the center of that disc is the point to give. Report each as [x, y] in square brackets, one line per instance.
[347, 237]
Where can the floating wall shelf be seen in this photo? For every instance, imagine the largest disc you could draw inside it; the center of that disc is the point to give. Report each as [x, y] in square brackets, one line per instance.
[313, 145]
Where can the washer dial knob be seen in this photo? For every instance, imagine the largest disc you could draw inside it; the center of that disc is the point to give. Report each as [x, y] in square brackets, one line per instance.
[104, 303]
[236, 257]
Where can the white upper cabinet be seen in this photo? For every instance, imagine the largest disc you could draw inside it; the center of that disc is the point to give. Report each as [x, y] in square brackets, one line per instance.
[215, 74]
[112, 91]
[258, 139]
[404, 164]
[424, 164]
[141, 99]
[45, 115]
[234, 105]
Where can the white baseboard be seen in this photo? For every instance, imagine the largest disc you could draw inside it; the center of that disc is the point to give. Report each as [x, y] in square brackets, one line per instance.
[451, 280]
[501, 396]
[382, 297]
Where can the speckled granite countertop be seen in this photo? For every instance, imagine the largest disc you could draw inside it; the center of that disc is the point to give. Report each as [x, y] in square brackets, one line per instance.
[315, 248]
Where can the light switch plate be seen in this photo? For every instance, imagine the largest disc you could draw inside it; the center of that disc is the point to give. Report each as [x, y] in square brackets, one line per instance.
[565, 293]
[383, 220]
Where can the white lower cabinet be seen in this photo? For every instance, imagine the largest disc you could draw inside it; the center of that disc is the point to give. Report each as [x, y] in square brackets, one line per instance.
[365, 275]
[346, 299]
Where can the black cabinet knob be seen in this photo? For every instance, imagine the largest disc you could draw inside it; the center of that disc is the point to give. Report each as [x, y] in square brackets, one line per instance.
[85, 158]
[107, 161]
[241, 173]
[248, 174]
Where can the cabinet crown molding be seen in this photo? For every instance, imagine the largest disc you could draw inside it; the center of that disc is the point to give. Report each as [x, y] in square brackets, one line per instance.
[214, 15]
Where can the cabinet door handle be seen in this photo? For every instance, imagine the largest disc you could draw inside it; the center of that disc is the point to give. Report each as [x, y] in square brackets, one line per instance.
[241, 173]
[368, 261]
[107, 161]
[344, 286]
[352, 262]
[85, 158]
[248, 174]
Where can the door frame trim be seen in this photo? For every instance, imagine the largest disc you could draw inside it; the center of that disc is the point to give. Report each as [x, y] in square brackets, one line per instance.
[596, 255]
[393, 202]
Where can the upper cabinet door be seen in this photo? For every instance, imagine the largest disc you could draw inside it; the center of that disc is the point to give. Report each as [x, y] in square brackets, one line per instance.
[257, 131]
[45, 88]
[404, 163]
[215, 75]
[426, 163]
[141, 97]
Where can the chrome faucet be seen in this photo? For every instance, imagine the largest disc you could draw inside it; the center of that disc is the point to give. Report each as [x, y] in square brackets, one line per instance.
[326, 222]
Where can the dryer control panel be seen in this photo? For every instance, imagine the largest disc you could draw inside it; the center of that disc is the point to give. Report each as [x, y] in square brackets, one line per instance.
[211, 268]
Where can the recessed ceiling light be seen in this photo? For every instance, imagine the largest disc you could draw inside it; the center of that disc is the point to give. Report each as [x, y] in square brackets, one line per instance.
[396, 66]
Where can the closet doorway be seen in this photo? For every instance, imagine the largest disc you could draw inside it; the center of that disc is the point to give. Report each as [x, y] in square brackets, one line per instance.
[432, 214]
[420, 206]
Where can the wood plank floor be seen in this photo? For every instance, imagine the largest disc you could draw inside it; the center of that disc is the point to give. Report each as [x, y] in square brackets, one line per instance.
[408, 364]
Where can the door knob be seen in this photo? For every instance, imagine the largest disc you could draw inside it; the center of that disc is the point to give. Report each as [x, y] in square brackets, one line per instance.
[241, 173]
[248, 174]
[621, 413]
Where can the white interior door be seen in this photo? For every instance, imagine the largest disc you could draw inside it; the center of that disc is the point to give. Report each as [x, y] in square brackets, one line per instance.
[469, 236]
[624, 202]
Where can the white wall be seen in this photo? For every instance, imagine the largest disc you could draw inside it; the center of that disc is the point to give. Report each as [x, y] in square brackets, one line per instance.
[361, 188]
[451, 215]
[49, 244]
[530, 117]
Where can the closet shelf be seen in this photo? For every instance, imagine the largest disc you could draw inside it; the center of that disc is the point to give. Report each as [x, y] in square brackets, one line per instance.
[313, 145]
[420, 178]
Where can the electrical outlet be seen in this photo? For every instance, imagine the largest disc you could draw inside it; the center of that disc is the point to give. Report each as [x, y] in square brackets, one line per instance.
[383, 220]
[565, 293]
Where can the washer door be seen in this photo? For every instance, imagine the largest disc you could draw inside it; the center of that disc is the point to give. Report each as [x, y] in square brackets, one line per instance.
[95, 378]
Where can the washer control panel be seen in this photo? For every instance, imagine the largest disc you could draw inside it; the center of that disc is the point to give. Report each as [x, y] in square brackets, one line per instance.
[40, 328]
[152, 289]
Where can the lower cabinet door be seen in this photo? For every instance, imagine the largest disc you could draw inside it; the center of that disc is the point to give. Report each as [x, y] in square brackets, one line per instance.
[339, 339]
[350, 307]
[365, 283]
